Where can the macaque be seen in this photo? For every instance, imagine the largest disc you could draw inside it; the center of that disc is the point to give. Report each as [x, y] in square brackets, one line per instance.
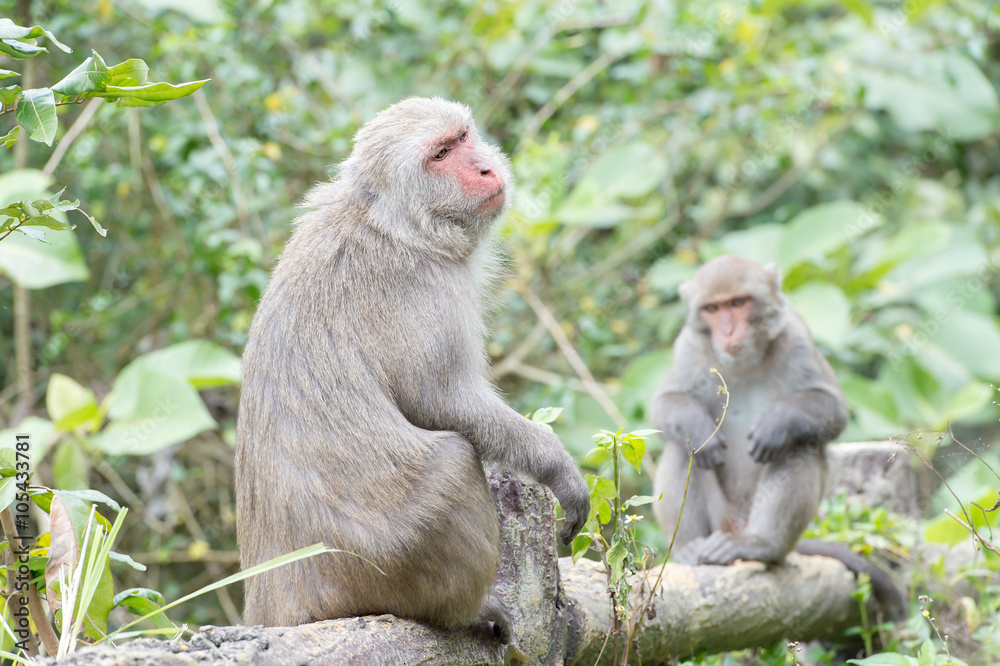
[366, 411]
[758, 481]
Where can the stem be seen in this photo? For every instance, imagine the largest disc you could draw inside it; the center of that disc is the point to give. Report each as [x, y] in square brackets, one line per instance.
[14, 599]
[687, 484]
[616, 532]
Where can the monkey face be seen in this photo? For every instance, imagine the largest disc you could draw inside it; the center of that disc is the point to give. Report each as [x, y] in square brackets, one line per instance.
[459, 154]
[729, 320]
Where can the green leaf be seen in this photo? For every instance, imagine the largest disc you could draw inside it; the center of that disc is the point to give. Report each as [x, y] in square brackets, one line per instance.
[129, 73]
[19, 50]
[125, 559]
[633, 449]
[629, 171]
[34, 265]
[9, 95]
[150, 94]
[39, 433]
[69, 404]
[817, 231]
[604, 512]
[940, 92]
[10, 30]
[70, 467]
[616, 559]
[36, 112]
[926, 655]
[759, 243]
[973, 339]
[90, 496]
[604, 488]
[92, 75]
[6, 73]
[10, 138]
[546, 414]
[141, 604]
[826, 310]
[151, 411]
[668, 273]
[641, 500]
[203, 363]
[8, 489]
[581, 544]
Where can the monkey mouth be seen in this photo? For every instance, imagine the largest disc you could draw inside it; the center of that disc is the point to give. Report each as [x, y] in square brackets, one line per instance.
[495, 199]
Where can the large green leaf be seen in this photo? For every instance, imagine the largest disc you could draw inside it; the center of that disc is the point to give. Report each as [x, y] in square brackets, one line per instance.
[36, 112]
[973, 339]
[150, 94]
[759, 243]
[826, 310]
[69, 404]
[39, 433]
[92, 75]
[10, 31]
[152, 411]
[814, 232]
[629, 171]
[36, 265]
[932, 91]
[202, 363]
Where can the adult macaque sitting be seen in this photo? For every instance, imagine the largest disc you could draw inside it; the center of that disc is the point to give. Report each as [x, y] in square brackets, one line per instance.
[758, 481]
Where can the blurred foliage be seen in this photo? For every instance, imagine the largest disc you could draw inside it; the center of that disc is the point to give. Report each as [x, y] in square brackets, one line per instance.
[855, 143]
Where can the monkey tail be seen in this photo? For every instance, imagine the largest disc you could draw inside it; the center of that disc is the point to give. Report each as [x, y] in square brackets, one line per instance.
[890, 597]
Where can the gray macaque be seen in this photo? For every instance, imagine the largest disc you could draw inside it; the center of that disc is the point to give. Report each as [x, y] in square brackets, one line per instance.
[758, 482]
[366, 411]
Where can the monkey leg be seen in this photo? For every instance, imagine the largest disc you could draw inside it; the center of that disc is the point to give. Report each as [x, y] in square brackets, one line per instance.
[786, 499]
[433, 534]
[705, 508]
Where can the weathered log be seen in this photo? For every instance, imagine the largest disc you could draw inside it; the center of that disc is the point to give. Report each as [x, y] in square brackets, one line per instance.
[561, 610]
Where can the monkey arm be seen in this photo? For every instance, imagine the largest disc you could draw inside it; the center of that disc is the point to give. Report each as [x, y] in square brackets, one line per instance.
[499, 434]
[810, 416]
[685, 421]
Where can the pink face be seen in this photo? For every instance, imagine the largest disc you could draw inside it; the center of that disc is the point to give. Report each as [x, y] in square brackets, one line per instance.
[456, 154]
[729, 319]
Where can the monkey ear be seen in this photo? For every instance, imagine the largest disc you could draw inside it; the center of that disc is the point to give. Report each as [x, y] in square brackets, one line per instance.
[774, 275]
[684, 291]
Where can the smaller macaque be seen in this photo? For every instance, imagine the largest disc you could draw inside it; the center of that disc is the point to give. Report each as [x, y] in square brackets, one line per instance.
[757, 482]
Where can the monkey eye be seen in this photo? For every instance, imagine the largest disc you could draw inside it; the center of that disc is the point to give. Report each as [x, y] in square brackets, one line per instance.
[711, 307]
[440, 154]
[739, 301]
[464, 136]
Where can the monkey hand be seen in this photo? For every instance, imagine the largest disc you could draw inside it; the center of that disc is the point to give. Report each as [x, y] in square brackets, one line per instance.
[574, 498]
[771, 435]
[709, 455]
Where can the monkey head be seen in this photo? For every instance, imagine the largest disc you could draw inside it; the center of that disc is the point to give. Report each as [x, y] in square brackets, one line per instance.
[428, 175]
[736, 305]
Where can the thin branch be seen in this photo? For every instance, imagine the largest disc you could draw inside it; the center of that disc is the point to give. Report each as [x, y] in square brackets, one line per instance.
[593, 388]
[212, 130]
[513, 76]
[10, 533]
[506, 365]
[581, 79]
[74, 131]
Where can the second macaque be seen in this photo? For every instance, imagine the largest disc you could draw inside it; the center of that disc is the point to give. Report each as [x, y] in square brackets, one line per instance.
[758, 481]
